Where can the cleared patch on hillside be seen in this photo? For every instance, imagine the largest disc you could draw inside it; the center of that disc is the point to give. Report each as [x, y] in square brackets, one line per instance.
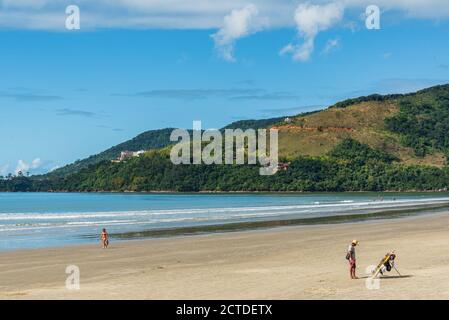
[319, 133]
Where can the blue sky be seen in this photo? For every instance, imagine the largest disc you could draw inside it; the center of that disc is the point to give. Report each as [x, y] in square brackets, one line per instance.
[65, 95]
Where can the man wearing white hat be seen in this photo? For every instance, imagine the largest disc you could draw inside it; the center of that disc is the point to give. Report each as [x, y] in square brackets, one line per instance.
[351, 257]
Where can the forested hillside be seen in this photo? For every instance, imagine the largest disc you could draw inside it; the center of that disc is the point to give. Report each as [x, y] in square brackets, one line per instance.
[373, 143]
[351, 166]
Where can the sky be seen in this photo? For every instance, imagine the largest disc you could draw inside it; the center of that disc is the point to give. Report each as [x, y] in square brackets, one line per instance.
[137, 65]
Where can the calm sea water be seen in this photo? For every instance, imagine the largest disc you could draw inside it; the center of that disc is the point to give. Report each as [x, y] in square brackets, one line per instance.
[32, 220]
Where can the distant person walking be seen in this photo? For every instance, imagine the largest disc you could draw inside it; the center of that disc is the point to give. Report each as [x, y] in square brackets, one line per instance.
[352, 258]
[105, 238]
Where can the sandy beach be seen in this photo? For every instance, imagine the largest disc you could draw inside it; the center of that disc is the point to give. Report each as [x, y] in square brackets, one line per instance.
[302, 262]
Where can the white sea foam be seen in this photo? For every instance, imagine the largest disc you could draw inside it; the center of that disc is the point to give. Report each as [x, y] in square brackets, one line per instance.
[56, 227]
[29, 221]
[343, 204]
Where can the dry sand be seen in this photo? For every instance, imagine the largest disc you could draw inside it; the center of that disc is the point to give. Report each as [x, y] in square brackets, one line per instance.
[306, 262]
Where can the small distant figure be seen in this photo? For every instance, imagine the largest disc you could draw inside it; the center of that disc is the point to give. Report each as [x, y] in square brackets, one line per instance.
[350, 256]
[105, 238]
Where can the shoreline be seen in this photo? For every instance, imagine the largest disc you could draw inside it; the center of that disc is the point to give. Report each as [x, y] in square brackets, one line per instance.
[412, 191]
[399, 213]
[295, 262]
[178, 233]
[359, 216]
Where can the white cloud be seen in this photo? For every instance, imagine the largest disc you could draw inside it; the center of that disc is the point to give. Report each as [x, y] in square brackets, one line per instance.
[234, 19]
[427, 9]
[182, 14]
[22, 166]
[238, 24]
[54, 168]
[25, 167]
[136, 14]
[36, 163]
[331, 45]
[310, 20]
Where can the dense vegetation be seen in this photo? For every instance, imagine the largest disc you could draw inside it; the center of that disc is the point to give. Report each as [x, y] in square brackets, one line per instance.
[358, 153]
[152, 139]
[372, 97]
[253, 124]
[423, 120]
[351, 166]
[419, 121]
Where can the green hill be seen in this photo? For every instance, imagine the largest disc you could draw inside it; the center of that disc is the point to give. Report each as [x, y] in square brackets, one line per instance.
[377, 142]
[411, 127]
[253, 124]
[153, 139]
[351, 166]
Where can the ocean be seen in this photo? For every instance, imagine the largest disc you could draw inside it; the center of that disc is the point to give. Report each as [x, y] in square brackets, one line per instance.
[38, 220]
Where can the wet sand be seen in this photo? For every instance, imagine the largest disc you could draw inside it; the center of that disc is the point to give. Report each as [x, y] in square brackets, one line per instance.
[298, 262]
